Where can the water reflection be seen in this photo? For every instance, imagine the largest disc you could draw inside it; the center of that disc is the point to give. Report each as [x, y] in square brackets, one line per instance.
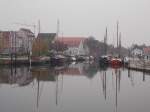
[116, 77]
[116, 80]
[15, 76]
[76, 84]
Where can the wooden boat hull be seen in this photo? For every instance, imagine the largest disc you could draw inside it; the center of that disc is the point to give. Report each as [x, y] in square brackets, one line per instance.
[115, 63]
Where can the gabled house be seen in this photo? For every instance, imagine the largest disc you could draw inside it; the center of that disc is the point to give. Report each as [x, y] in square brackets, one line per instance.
[75, 45]
[42, 43]
[137, 52]
[25, 41]
[47, 37]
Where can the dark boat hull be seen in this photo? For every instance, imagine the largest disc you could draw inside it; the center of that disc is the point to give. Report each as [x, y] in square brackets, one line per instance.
[57, 61]
[103, 62]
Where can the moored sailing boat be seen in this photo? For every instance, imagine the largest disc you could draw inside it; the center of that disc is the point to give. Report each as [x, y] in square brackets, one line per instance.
[117, 61]
[104, 60]
[57, 58]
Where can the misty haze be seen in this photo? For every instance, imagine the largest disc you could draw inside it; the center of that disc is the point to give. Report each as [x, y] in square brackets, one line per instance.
[74, 56]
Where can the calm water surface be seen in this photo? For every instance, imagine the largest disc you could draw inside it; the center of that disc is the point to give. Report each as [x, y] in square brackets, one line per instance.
[79, 87]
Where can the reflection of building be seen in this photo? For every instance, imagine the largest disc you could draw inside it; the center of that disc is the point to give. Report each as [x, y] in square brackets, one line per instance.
[44, 74]
[49, 74]
[70, 71]
[75, 45]
[80, 69]
[19, 76]
[22, 76]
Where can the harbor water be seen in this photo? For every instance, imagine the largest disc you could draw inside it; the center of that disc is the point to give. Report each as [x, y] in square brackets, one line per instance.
[76, 87]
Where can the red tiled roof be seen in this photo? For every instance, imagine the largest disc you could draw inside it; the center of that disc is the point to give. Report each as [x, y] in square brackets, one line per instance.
[71, 41]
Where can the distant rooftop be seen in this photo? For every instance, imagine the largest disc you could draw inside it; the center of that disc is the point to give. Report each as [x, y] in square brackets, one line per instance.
[26, 30]
[46, 36]
[71, 41]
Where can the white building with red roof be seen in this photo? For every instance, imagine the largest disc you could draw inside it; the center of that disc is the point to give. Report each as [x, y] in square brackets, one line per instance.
[75, 45]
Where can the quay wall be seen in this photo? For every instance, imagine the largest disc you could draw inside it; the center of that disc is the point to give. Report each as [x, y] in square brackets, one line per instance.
[140, 65]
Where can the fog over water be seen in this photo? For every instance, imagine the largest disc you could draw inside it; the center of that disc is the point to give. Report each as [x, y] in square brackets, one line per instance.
[82, 17]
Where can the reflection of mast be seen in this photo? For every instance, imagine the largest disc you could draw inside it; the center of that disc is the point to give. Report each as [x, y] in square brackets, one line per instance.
[62, 83]
[132, 80]
[116, 91]
[38, 90]
[104, 84]
[143, 76]
[129, 73]
[131, 77]
[57, 90]
[117, 88]
[119, 80]
[103, 78]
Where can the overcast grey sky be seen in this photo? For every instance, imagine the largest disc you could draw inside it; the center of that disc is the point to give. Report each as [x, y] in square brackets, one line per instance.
[82, 17]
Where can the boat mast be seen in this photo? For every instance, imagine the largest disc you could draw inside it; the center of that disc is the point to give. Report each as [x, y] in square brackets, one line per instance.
[119, 44]
[105, 42]
[117, 33]
[39, 24]
[57, 34]
[57, 28]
